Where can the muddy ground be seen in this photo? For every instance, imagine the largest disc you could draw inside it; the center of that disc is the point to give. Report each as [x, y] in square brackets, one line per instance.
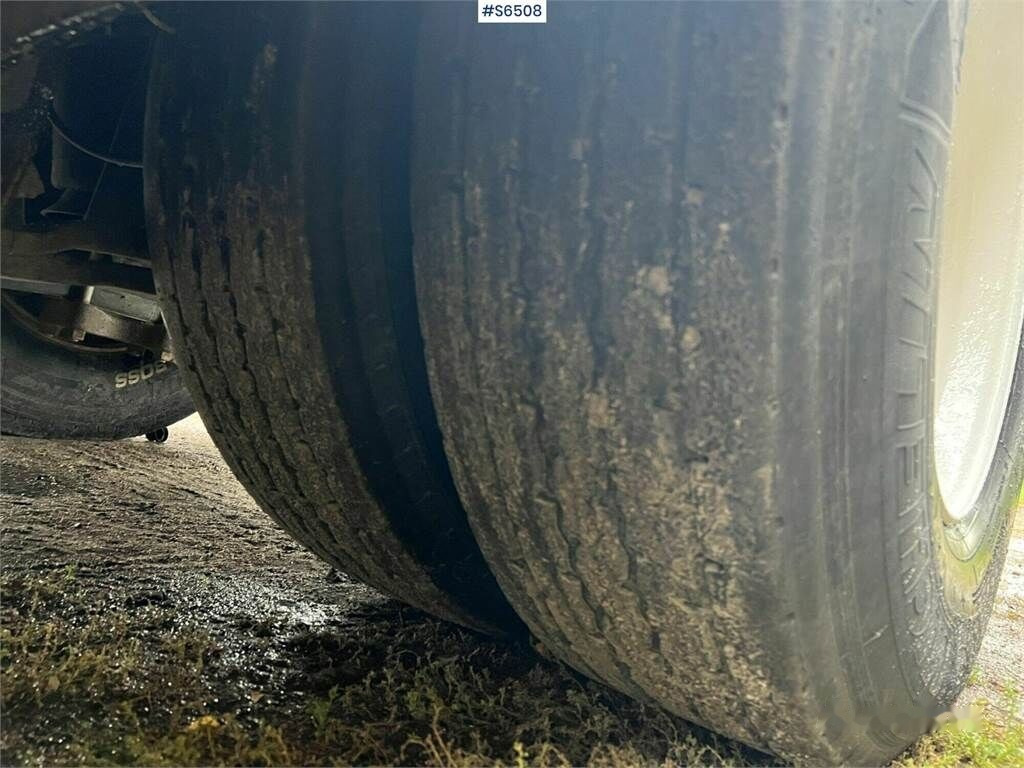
[152, 614]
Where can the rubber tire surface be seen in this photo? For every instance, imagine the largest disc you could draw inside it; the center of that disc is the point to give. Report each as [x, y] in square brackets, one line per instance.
[47, 391]
[277, 197]
[675, 267]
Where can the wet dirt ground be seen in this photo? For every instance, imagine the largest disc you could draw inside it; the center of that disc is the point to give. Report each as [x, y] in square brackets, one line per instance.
[152, 614]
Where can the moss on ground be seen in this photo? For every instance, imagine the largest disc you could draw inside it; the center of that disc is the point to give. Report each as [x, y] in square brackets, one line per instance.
[93, 678]
[979, 738]
[85, 681]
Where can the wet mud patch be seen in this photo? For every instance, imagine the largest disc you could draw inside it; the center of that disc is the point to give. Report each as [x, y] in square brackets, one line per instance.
[151, 614]
[114, 676]
[175, 624]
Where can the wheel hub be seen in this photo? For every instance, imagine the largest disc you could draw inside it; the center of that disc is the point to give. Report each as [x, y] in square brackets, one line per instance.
[981, 266]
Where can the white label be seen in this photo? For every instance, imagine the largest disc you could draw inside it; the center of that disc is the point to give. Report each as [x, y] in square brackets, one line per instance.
[512, 13]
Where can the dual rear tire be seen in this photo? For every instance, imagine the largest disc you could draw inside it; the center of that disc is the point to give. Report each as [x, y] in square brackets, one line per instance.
[277, 202]
[674, 267]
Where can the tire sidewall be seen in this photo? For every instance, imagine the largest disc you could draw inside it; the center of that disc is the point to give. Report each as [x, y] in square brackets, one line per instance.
[905, 658]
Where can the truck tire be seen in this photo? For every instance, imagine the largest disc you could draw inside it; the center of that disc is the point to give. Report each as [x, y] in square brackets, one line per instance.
[56, 392]
[277, 201]
[676, 275]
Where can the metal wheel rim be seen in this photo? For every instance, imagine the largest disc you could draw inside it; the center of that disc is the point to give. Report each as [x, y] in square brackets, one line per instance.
[980, 312]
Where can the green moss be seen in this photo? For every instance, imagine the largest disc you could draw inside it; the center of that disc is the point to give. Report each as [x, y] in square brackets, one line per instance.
[85, 681]
[979, 738]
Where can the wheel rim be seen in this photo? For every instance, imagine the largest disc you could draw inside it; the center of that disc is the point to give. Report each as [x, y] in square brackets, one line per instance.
[981, 267]
[27, 320]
